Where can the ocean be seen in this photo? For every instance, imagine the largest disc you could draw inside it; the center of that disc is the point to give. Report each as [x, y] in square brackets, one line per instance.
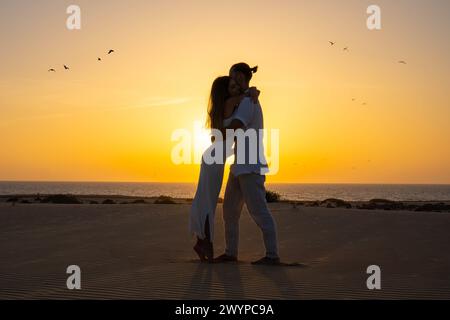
[349, 192]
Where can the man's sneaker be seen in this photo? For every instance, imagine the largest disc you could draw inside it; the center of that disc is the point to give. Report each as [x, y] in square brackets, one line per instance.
[267, 261]
[225, 258]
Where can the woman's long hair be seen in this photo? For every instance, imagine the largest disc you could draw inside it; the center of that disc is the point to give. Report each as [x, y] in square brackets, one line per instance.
[216, 105]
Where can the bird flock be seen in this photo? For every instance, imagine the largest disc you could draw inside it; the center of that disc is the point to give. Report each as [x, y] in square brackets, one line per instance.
[67, 68]
[333, 43]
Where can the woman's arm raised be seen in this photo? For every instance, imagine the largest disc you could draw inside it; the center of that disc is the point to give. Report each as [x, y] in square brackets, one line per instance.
[233, 102]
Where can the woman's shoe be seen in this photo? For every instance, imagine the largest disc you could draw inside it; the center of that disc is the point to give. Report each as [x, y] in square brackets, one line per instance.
[208, 250]
[199, 248]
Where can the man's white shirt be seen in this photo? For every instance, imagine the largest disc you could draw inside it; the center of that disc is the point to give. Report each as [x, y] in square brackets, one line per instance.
[251, 116]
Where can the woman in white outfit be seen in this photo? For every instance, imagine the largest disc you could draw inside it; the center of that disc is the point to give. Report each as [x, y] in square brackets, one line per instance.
[224, 99]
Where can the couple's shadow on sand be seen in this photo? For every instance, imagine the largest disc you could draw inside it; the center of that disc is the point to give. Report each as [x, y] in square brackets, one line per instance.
[241, 281]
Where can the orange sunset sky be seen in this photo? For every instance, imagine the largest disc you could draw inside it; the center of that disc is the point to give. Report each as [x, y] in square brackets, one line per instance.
[112, 120]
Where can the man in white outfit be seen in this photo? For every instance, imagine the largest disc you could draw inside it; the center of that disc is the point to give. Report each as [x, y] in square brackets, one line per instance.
[247, 177]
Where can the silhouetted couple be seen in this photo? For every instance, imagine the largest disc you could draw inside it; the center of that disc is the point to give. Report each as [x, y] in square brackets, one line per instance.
[233, 108]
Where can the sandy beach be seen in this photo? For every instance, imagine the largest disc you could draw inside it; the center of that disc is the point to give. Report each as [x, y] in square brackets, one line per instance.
[143, 251]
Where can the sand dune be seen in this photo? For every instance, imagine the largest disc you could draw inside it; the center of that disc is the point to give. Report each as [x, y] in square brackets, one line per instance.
[144, 252]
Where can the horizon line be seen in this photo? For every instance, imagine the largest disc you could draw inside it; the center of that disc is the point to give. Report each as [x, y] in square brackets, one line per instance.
[193, 182]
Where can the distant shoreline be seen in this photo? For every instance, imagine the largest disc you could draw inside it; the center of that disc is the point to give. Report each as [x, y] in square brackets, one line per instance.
[374, 204]
[268, 183]
[290, 192]
[120, 196]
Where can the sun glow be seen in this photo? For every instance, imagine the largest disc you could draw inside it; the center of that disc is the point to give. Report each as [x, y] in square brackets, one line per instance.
[201, 141]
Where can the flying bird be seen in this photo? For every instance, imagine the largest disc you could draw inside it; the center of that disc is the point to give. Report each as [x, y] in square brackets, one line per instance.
[402, 62]
[66, 67]
[99, 59]
[345, 49]
[332, 43]
[110, 51]
[51, 70]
